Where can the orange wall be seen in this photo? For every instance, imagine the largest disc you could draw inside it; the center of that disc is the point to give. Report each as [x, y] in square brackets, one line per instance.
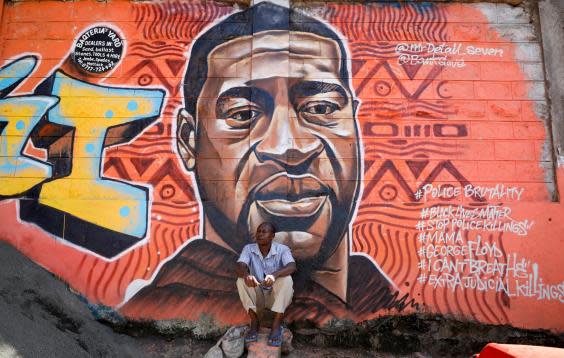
[108, 219]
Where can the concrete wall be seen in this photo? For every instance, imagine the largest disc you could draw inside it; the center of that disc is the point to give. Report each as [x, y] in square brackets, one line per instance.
[404, 152]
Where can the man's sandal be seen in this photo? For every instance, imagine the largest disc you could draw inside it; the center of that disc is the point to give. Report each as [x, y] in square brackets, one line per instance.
[276, 340]
[252, 336]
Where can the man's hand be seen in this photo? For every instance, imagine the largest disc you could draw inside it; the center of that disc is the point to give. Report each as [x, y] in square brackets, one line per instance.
[268, 280]
[251, 281]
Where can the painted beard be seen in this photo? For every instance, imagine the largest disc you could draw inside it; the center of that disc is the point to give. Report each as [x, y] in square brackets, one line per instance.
[304, 210]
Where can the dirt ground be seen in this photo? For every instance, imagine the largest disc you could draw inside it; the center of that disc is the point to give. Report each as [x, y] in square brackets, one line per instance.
[186, 347]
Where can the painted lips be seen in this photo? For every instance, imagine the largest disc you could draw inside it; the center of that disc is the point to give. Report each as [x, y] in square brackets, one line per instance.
[292, 196]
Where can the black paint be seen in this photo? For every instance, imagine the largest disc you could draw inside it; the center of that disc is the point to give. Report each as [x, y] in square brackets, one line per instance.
[104, 242]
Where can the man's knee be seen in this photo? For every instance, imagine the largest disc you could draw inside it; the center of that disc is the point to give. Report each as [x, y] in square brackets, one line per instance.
[241, 282]
[247, 295]
[282, 291]
[283, 283]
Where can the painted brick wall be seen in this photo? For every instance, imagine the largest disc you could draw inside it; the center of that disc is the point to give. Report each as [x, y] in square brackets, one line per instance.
[403, 151]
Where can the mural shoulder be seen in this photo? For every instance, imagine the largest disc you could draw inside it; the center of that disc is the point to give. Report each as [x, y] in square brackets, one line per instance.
[369, 289]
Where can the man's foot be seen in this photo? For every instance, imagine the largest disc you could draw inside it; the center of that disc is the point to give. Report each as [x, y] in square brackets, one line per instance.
[251, 336]
[275, 338]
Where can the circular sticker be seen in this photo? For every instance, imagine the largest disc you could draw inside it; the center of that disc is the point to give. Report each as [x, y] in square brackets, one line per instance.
[98, 49]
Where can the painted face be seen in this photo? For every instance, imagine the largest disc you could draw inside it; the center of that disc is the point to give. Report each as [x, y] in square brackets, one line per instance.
[277, 141]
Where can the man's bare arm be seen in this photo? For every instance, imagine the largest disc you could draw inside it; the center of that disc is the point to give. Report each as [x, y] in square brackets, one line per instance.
[242, 269]
[286, 270]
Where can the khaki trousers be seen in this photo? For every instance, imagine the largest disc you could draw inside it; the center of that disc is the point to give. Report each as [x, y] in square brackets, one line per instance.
[276, 299]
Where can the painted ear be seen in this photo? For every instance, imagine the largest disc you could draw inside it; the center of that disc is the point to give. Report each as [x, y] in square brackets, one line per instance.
[186, 138]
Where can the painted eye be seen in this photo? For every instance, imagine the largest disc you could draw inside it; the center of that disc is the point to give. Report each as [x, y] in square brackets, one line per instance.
[242, 118]
[246, 115]
[319, 108]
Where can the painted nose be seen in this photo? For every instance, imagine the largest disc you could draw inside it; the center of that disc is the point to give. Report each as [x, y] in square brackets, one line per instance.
[287, 142]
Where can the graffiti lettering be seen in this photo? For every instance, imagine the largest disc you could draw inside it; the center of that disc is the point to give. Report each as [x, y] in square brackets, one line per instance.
[91, 110]
[19, 115]
[447, 191]
[83, 194]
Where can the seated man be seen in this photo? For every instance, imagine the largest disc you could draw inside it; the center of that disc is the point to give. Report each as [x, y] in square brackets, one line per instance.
[263, 272]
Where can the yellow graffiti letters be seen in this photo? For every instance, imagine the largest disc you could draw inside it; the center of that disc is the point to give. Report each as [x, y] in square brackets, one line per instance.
[91, 110]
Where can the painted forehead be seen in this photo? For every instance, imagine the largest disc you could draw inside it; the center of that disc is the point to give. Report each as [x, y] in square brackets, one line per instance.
[232, 55]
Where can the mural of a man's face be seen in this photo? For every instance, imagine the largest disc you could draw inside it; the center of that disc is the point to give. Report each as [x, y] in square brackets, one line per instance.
[276, 140]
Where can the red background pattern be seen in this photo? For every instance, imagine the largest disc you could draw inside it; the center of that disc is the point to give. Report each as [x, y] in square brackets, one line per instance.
[490, 97]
